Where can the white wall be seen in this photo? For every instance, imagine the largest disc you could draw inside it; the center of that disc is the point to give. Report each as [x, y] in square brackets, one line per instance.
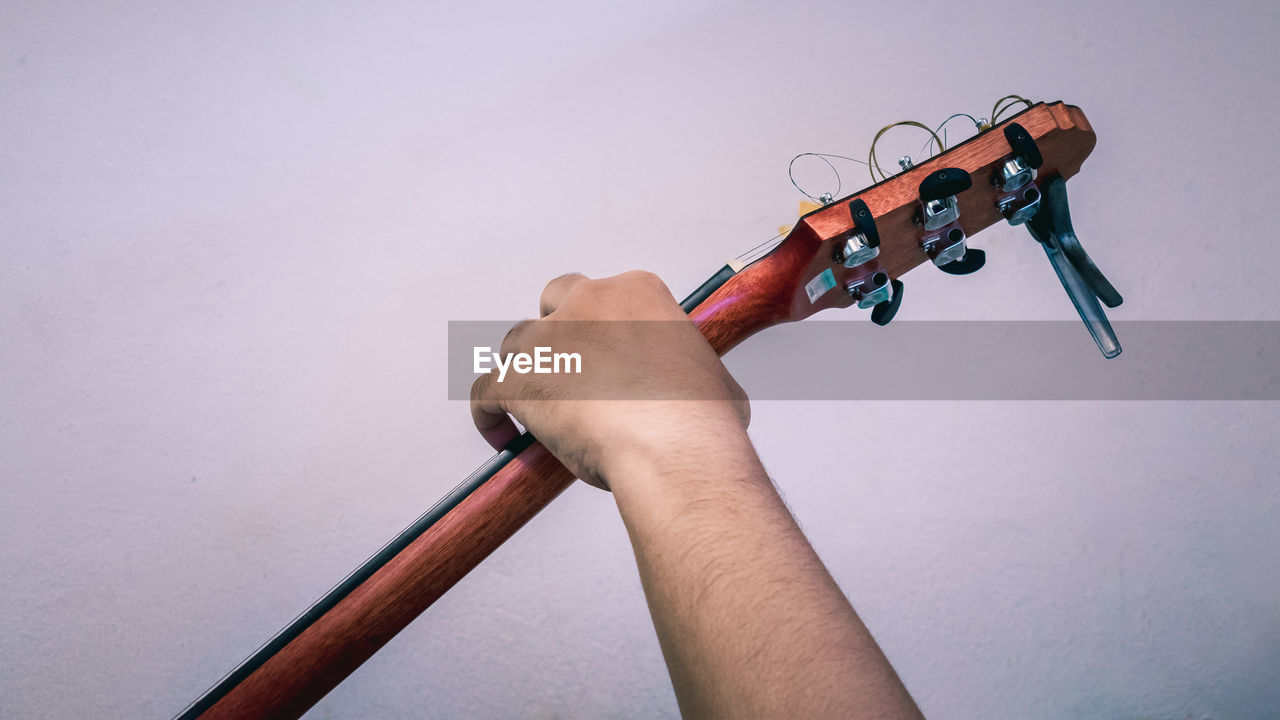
[232, 237]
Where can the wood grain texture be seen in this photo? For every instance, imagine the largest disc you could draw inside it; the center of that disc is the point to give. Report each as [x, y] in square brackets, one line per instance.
[767, 293]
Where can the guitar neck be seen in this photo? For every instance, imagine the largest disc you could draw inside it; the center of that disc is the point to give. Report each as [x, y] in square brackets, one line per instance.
[324, 645]
[330, 640]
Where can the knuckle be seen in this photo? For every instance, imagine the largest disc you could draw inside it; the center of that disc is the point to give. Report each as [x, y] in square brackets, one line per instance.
[565, 277]
[480, 387]
[645, 277]
[561, 284]
[511, 340]
[585, 294]
[652, 286]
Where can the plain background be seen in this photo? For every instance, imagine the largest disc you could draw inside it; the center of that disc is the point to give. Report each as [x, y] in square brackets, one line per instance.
[232, 236]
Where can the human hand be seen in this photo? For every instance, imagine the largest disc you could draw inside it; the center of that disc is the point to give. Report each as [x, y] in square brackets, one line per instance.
[655, 417]
[651, 387]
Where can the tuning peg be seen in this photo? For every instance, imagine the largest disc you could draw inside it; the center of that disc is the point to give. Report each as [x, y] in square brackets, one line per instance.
[948, 248]
[878, 293]
[869, 292]
[862, 243]
[1020, 200]
[1018, 208]
[882, 313]
[971, 262]
[938, 197]
[1019, 169]
[940, 211]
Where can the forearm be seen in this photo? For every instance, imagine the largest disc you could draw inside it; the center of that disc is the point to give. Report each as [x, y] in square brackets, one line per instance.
[750, 621]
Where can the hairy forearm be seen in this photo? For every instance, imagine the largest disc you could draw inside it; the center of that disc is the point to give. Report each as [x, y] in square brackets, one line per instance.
[750, 621]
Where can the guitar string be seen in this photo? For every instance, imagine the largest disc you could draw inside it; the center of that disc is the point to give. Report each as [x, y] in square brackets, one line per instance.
[747, 257]
[824, 157]
[979, 125]
[873, 163]
[757, 252]
[767, 246]
[937, 137]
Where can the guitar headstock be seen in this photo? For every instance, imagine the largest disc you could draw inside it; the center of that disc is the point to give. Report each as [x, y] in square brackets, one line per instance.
[855, 249]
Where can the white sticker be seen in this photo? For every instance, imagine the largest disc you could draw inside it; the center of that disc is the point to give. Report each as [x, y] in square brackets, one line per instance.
[821, 283]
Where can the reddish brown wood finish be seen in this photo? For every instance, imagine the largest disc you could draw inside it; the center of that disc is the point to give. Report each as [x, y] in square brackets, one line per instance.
[333, 647]
[766, 293]
[772, 290]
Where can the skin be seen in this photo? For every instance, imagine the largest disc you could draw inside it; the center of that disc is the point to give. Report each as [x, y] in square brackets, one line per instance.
[751, 623]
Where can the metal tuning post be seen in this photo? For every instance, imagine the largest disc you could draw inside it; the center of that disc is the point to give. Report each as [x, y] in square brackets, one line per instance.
[938, 196]
[1018, 198]
[859, 248]
[879, 293]
[944, 240]
[862, 243]
[1084, 282]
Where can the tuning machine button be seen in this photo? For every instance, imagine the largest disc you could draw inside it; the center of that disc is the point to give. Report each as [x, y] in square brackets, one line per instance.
[881, 314]
[1020, 168]
[861, 243]
[1019, 200]
[971, 262]
[938, 197]
[944, 239]
[1023, 145]
[858, 248]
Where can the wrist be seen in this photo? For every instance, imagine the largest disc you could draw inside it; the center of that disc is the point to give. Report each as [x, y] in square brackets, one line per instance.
[695, 451]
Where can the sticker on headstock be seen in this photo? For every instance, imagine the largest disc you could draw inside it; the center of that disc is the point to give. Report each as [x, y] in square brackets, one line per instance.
[820, 284]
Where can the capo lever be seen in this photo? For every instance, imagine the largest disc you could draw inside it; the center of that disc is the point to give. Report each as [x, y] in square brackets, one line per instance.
[1084, 282]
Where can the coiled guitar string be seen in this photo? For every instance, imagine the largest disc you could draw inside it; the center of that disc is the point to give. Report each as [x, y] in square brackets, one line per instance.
[934, 144]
